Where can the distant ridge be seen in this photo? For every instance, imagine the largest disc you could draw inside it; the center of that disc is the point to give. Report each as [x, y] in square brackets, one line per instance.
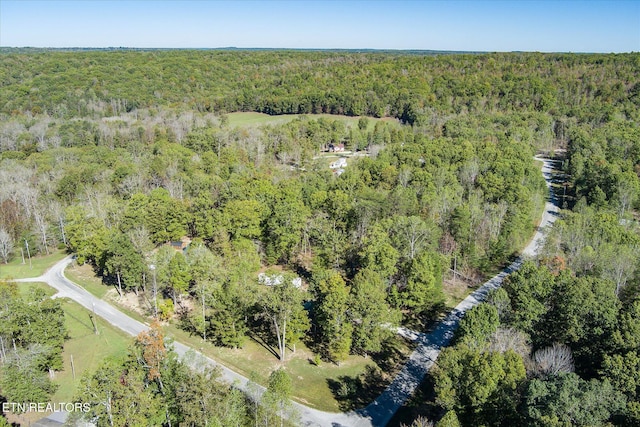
[426, 52]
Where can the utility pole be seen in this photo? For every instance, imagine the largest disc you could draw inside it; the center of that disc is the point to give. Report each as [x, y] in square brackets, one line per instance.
[93, 319]
[28, 253]
[152, 267]
[64, 237]
[73, 368]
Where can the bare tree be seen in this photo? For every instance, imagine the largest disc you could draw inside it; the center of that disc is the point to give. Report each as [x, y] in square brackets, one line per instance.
[510, 339]
[553, 360]
[42, 225]
[39, 132]
[420, 422]
[413, 235]
[619, 263]
[6, 245]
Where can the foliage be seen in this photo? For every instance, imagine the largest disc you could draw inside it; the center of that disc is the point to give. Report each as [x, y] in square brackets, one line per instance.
[112, 154]
[567, 398]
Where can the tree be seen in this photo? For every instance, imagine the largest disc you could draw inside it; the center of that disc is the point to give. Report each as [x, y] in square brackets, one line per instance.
[423, 291]
[87, 236]
[179, 276]
[206, 272]
[412, 234]
[528, 289]
[553, 360]
[197, 399]
[480, 386]
[165, 218]
[332, 303]
[623, 370]
[450, 419]
[23, 378]
[286, 224]
[568, 399]
[478, 324]
[228, 317]
[152, 351]
[373, 318]
[377, 252]
[242, 218]
[281, 304]
[122, 260]
[6, 245]
[119, 396]
[619, 264]
[277, 397]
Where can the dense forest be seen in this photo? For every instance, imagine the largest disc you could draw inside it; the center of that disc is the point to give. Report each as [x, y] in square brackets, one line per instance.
[120, 156]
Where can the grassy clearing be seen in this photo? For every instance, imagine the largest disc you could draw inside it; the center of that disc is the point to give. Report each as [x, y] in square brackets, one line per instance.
[256, 119]
[84, 276]
[25, 288]
[39, 264]
[310, 382]
[87, 348]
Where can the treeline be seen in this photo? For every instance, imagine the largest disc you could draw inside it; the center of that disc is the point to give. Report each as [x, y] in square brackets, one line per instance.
[412, 88]
[32, 335]
[150, 386]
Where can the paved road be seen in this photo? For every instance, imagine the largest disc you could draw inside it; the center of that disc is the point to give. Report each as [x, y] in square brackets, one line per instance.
[378, 412]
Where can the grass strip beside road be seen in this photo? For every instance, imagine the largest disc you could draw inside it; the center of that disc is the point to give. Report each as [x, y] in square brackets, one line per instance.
[15, 269]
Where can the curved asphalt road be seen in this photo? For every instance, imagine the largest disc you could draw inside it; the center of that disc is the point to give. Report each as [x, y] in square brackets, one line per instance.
[378, 412]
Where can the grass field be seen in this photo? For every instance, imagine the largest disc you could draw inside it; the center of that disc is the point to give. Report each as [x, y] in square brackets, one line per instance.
[84, 276]
[87, 348]
[25, 288]
[15, 269]
[257, 119]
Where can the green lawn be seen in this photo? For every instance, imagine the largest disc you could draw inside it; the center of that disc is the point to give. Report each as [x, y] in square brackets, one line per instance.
[87, 348]
[39, 264]
[25, 288]
[84, 276]
[310, 382]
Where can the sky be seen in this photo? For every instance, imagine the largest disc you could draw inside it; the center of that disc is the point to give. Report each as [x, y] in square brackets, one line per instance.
[507, 25]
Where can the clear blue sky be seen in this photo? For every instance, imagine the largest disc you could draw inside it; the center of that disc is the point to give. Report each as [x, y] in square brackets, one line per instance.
[546, 26]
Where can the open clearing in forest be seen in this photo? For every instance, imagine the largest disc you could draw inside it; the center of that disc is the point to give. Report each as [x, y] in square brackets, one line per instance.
[15, 269]
[247, 119]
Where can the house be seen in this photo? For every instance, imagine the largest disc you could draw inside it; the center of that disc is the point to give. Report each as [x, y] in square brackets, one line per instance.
[340, 163]
[336, 148]
[274, 280]
[180, 245]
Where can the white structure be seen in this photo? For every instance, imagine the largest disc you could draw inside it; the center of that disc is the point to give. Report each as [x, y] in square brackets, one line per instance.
[340, 163]
[276, 279]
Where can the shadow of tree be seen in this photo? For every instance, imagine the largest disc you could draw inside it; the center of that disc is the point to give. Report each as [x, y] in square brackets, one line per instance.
[357, 392]
[353, 392]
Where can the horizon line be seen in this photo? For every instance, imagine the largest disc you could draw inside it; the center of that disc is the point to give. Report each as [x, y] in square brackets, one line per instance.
[327, 49]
